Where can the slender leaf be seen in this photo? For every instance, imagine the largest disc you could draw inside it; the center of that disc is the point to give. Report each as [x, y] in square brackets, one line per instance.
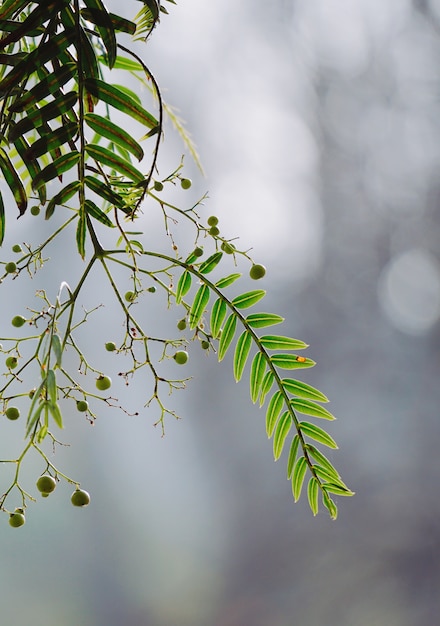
[116, 98]
[46, 86]
[318, 434]
[313, 495]
[248, 299]
[124, 63]
[291, 361]
[292, 455]
[64, 163]
[199, 305]
[106, 128]
[298, 475]
[61, 197]
[322, 460]
[227, 280]
[112, 160]
[81, 233]
[329, 505]
[273, 410]
[260, 320]
[2, 219]
[308, 407]
[303, 390]
[227, 336]
[258, 369]
[13, 181]
[57, 349]
[38, 116]
[210, 263]
[281, 431]
[266, 386]
[99, 215]
[99, 16]
[32, 166]
[218, 314]
[337, 489]
[104, 191]
[242, 349]
[183, 286]
[278, 342]
[53, 141]
[329, 476]
[51, 386]
[56, 413]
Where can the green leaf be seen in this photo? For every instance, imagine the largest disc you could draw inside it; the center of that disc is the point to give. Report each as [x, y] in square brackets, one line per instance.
[322, 460]
[281, 431]
[273, 410]
[2, 219]
[56, 414]
[34, 416]
[9, 7]
[39, 116]
[227, 336]
[298, 475]
[266, 386]
[13, 181]
[199, 305]
[124, 63]
[303, 390]
[337, 489]
[183, 286]
[313, 494]
[248, 299]
[104, 191]
[291, 361]
[99, 215]
[210, 263]
[61, 197]
[258, 369]
[51, 386]
[46, 86]
[218, 314]
[57, 349]
[32, 166]
[329, 476]
[115, 162]
[260, 320]
[278, 342]
[329, 505]
[242, 349]
[116, 98]
[308, 407]
[292, 455]
[318, 434]
[106, 128]
[81, 233]
[62, 164]
[99, 16]
[53, 141]
[227, 280]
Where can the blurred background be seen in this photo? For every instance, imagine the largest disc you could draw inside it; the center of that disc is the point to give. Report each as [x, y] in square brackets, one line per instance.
[317, 123]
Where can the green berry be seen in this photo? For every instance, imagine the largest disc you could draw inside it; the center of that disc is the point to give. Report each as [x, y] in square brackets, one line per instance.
[16, 519]
[181, 357]
[10, 267]
[198, 251]
[185, 183]
[257, 271]
[212, 220]
[228, 248]
[181, 325]
[130, 296]
[11, 362]
[12, 413]
[103, 383]
[17, 248]
[35, 210]
[18, 321]
[214, 231]
[110, 346]
[152, 289]
[158, 186]
[82, 406]
[80, 498]
[46, 484]
[204, 344]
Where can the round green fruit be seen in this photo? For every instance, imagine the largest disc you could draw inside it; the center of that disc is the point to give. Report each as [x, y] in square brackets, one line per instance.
[35, 210]
[18, 321]
[130, 296]
[158, 186]
[11, 362]
[228, 248]
[80, 498]
[110, 346]
[12, 413]
[181, 357]
[212, 220]
[17, 248]
[214, 231]
[82, 406]
[185, 183]
[198, 251]
[10, 267]
[152, 289]
[181, 324]
[103, 383]
[257, 271]
[204, 344]
[16, 519]
[46, 484]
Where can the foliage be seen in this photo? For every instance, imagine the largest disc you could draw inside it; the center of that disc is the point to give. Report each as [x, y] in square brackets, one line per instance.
[64, 150]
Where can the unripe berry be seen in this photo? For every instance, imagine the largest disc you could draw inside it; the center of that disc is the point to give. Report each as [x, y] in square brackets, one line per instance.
[185, 183]
[103, 383]
[158, 186]
[16, 519]
[46, 484]
[214, 231]
[257, 271]
[17, 248]
[198, 251]
[181, 357]
[80, 498]
[110, 346]
[130, 296]
[35, 210]
[12, 413]
[82, 406]
[18, 321]
[181, 324]
[11, 362]
[10, 267]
